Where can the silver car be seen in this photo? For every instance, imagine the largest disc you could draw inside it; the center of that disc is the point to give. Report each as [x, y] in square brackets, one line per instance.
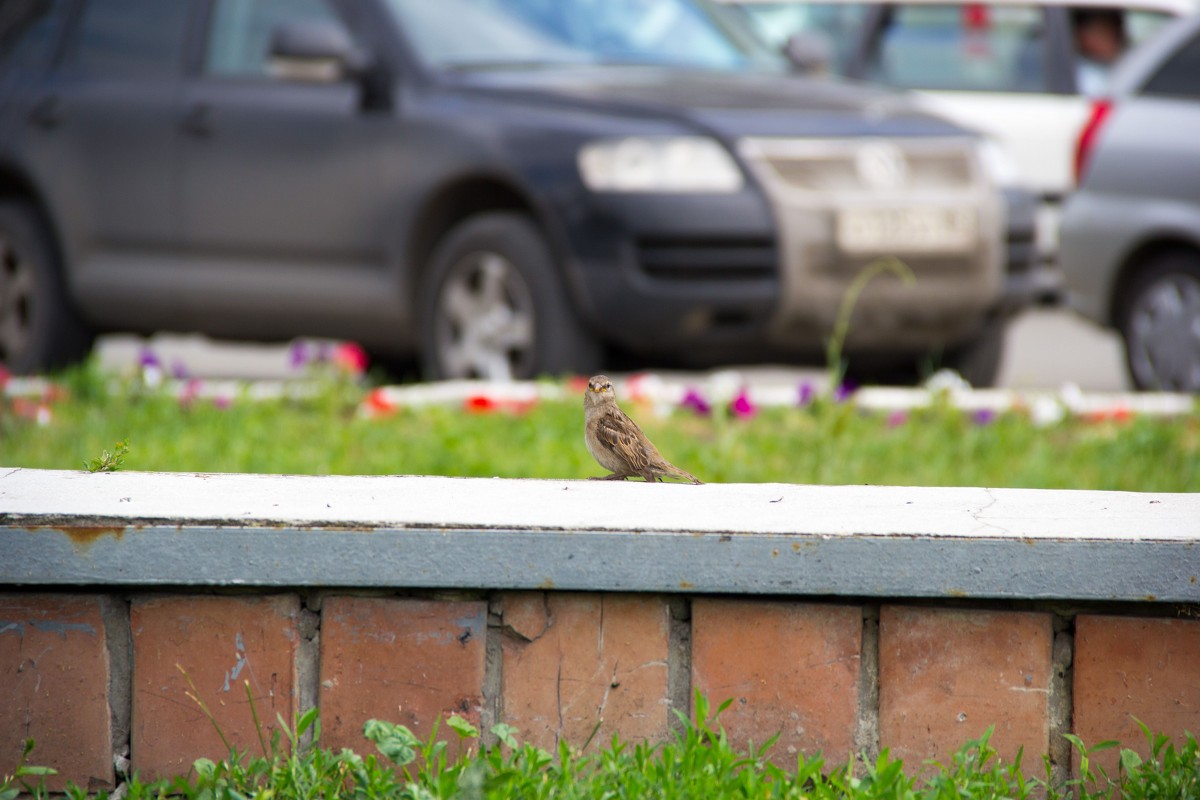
[1131, 233]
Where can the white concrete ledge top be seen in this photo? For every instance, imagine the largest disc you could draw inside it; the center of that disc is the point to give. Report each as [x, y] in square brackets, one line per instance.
[133, 498]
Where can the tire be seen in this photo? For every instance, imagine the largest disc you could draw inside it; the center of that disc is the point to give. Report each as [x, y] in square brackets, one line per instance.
[1160, 323]
[493, 306]
[978, 359]
[39, 328]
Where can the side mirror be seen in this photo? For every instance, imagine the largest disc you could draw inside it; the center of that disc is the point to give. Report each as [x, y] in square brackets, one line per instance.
[315, 51]
[808, 52]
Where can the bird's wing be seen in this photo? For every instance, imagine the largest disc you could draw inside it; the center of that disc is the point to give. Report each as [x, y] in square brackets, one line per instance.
[622, 434]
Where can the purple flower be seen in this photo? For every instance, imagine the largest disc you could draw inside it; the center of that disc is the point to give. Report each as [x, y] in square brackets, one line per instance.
[742, 407]
[806, 394]
[694, 401]
[897, 418]
[984, 416]
[298, 355]
[148, 359]
[179, 370]
[844, 390]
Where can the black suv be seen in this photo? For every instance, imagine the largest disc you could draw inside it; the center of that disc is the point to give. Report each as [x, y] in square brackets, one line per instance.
[499, 187]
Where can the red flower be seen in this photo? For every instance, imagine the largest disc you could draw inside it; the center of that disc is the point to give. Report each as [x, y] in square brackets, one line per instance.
[378, 404]
[481, 404]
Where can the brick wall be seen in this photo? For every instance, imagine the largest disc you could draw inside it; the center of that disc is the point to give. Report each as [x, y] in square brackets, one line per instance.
[90, 675]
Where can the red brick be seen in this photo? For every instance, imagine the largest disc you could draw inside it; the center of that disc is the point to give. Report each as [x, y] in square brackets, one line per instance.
[221, 643]
[791, 668]
[408, 661]
[946, 675]
[54, 678]
[571, 660]
[1128, 667]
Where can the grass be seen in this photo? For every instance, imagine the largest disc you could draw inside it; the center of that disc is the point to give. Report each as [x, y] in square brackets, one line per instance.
[823, 442]
[699, 762]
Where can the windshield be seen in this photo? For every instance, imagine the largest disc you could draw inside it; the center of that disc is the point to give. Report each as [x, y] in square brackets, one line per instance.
[474, 34]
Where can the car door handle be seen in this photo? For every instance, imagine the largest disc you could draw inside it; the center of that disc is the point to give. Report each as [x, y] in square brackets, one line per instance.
[47, 112]
[199, 122]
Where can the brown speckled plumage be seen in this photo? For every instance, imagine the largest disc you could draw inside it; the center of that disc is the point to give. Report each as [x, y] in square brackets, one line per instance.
[617, 443]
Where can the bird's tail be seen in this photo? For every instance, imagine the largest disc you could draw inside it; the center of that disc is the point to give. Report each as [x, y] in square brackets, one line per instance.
[676, 472]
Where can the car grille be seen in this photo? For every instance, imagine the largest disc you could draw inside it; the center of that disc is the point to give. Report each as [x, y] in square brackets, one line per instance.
[871, 167]
[708, 259]
[844, 204]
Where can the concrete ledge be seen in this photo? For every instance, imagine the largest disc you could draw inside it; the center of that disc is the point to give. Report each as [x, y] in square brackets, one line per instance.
[62, 528]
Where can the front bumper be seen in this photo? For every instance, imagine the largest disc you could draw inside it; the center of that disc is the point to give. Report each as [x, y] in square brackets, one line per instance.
[764, 271]
[843, 205]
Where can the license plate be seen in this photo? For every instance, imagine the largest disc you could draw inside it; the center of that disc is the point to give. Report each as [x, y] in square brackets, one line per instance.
[906, 230]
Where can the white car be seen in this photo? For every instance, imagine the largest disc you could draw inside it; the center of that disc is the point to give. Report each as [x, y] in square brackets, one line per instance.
[1013, 69]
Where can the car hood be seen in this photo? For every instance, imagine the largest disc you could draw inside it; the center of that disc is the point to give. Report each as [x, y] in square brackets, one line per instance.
[731, 105]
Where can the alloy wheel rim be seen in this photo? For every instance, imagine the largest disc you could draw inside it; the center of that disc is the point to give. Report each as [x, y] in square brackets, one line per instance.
[1164, 334]
[16, 302]
[485, 320]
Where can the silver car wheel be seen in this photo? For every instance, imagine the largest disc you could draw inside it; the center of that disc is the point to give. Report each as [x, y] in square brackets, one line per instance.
[485, 320]
[1163, 333]
[18, 289]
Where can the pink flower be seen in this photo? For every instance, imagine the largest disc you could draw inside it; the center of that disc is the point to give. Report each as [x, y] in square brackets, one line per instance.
[897, 418]
[351, 358]
[695, 401]
[742, 407]
[191, 391]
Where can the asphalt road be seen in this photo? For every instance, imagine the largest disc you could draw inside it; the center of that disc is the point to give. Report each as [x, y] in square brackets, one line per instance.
[1046, 348]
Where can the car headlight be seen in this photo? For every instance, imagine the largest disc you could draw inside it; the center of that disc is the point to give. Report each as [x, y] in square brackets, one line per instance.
[659, 164]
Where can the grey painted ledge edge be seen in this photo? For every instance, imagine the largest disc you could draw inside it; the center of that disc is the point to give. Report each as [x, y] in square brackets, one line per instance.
[629, 561]
[75, 529]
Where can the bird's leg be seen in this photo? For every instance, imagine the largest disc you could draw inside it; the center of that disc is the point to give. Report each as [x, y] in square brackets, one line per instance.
[616, 476]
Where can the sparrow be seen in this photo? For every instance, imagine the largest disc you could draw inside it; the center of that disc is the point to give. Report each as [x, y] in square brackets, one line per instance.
[617, 442]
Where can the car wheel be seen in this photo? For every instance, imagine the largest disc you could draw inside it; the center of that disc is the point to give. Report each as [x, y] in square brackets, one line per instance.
[39, 328]
[978, 359]
[1160, 322]
[493, 306]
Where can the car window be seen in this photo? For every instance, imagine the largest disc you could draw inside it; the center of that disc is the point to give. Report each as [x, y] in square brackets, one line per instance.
[1101, 36]
[130, 38]
[28, 31]
[477, 33]
[1141, 24]
[239, 38]
[838, 24]
[1179, 76]
[972, 47]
